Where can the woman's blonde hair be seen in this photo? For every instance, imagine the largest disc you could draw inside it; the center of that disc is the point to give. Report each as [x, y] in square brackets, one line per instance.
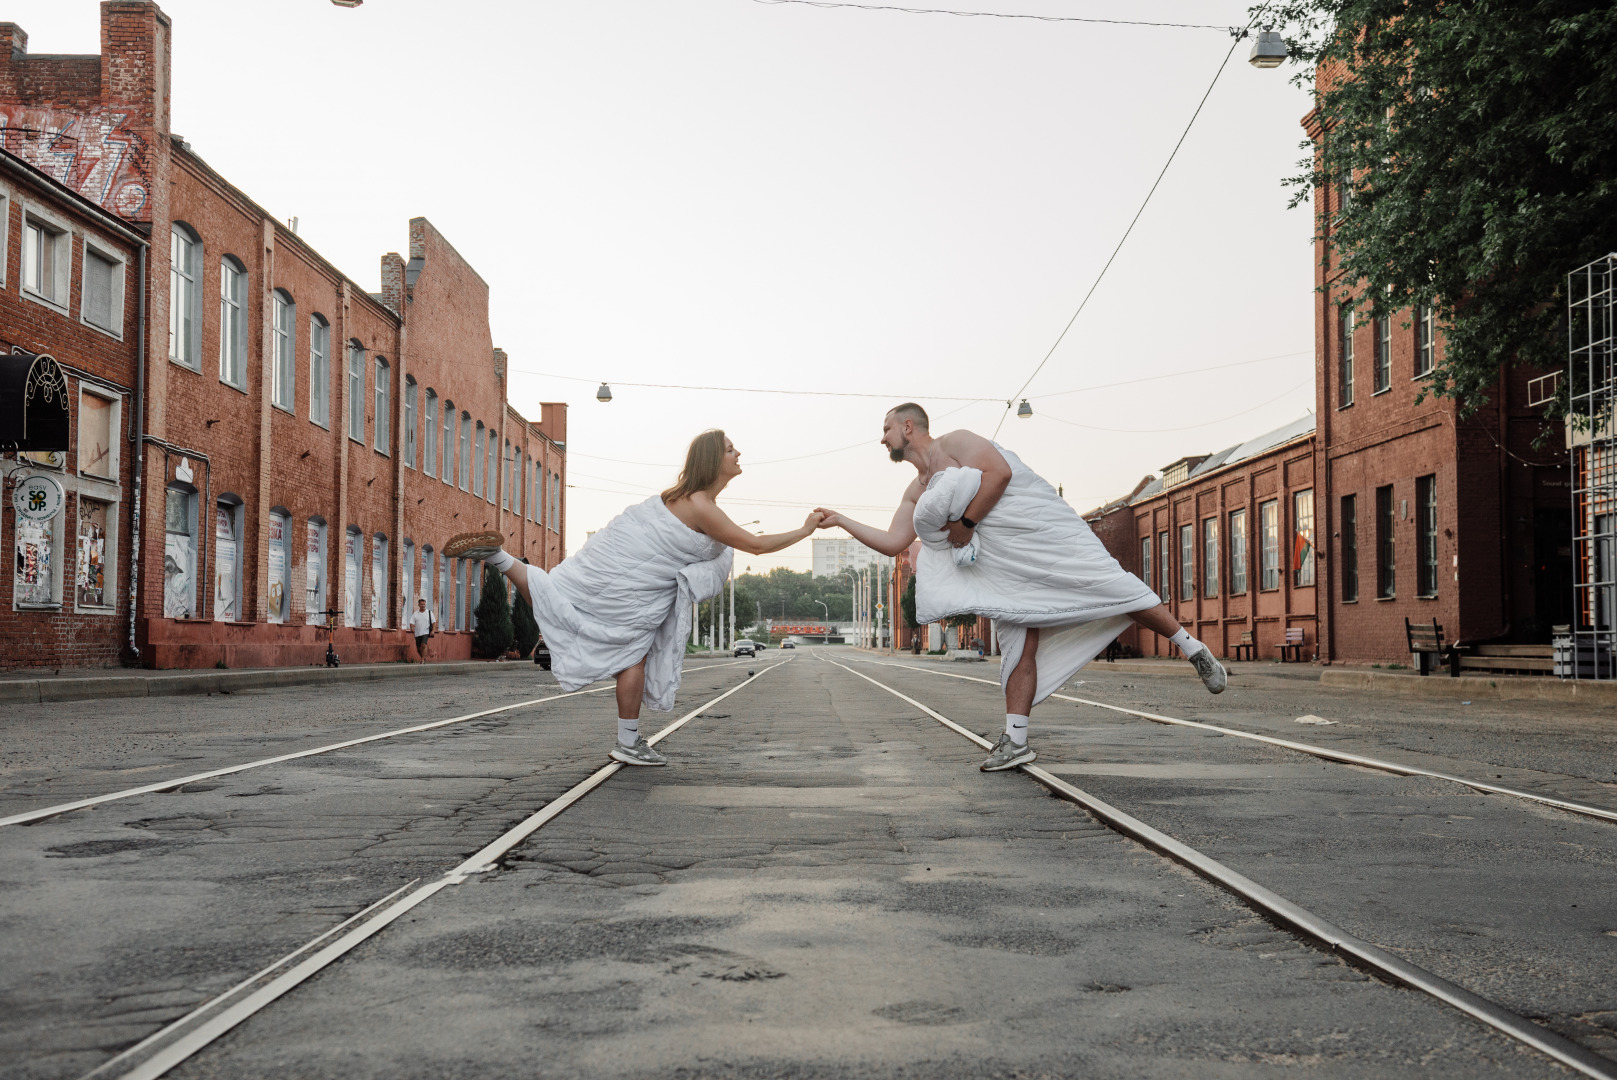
[702, 463]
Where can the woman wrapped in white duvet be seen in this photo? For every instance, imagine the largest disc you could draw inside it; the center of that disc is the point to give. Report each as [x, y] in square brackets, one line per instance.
[997, 540]
[621, 607]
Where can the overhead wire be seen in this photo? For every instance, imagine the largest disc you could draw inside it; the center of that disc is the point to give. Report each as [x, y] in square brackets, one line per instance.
[1185, 427]
[994, 14]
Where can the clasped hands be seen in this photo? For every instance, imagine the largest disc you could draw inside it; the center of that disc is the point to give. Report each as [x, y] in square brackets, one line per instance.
[959, 534]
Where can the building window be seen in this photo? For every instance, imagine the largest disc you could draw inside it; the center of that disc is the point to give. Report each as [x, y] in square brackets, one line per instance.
[1269, 550]
[1210, 557]
[492, 473]
[448, 471]
[356, 392]
[184, 297]
[460, 594]
[353, 552]
[536, 504]
[1382, 328]
[320, 370]
[379, 580]
[1425, 342]
[555, 502]
[1350, 548]
[314, 577]
[93, 587]
[1302, 540]
[1237, 552]
[1145, 560]
[227, 522]
[384, 394]
[98, 434]
[474, 592]
[232, 323]
[1426, 534]
[280, 565]
[505, 488]
[446, 609]
[409, 422]
[477, 460]
[465, 451]
[37, 583]
[1345, 359]
[284, 315]
[429, 411]
[1386, 549]
[179, 553]
[1165, 561]
[424, 590]
[102, 303]
[47, 260]
[1187, 563]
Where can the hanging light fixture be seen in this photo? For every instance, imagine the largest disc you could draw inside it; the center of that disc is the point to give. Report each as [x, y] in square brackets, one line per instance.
[348, 3]
[1024, 410]
[604, 393]
[1269, 51]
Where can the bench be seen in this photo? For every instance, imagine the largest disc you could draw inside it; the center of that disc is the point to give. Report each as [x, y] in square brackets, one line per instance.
[1425, 642]
[1248, 646]
[1291, 650]
[1515, 659]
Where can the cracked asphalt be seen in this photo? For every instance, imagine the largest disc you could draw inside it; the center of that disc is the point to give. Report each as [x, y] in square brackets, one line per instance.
[821, 884]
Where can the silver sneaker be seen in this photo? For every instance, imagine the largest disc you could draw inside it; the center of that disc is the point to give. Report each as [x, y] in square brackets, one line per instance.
[472, 545]
[640, 753]
[1214, 677]
[1007, 755]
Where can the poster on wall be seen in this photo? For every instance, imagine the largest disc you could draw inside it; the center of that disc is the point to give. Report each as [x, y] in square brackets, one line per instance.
[33, 581]
[179, 556]
[224, 565]
[351, 579]
[92, 562]
[277, 569]
[378, 580]
[314, 593]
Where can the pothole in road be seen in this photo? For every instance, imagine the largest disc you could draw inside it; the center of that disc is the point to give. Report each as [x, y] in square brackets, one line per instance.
[91, 849]
[921, 1012]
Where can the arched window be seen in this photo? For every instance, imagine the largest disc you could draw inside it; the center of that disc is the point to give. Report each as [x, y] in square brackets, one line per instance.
[314, 580]
[179, 551]
[233, 322]
[477, 460]
[284, 327]
[448, 471]
[409, 421]
[353, 560]
[356, 391]
[379, 580]
[319, 370]
[429, 460]
[383, 409]
[407, 580]
[185, 296]
[228, 518]
[424, 590]
[493, 464]
[280, 564]
[465, 451]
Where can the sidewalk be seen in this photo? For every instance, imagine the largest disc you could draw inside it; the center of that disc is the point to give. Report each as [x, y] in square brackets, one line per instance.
[84, 685]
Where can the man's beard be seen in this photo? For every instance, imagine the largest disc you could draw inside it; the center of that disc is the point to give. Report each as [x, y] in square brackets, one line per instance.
[896, 454]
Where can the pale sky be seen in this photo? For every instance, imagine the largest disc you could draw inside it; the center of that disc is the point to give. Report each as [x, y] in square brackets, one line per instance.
[739, 194]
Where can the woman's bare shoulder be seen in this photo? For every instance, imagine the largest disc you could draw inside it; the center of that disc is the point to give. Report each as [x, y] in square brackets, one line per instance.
[693, 510]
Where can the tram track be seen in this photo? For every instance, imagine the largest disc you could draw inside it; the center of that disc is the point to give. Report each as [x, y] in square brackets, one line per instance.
[1341, 757]
[1363, 954]
[182, 1038]
[29, 817]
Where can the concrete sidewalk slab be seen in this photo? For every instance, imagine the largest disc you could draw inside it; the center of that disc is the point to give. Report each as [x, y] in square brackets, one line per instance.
[1469, 687]
[165, 683]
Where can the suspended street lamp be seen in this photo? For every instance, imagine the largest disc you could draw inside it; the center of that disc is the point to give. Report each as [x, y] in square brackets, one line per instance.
[604, 393]
[1024, 410]
[1269, 51]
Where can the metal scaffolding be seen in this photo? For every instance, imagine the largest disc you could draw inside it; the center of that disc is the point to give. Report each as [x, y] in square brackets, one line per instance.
[1585, 650]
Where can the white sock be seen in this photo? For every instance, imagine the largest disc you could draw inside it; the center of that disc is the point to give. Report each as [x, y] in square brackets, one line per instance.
[1186, 643]
[502, 560]
[628, 730]
[1016, 728]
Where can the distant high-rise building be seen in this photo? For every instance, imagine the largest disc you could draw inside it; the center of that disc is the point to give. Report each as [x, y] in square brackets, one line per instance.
[835, 556]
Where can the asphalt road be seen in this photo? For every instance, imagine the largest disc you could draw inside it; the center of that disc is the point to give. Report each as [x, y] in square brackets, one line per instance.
[820, 885]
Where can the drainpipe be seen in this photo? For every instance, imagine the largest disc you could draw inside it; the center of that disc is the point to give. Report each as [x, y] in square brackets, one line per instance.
[135, 545]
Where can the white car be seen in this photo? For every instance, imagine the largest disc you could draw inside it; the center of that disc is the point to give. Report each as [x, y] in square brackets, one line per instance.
[747, 648]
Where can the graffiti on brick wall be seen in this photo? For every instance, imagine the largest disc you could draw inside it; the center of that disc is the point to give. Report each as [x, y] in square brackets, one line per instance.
[94, 153]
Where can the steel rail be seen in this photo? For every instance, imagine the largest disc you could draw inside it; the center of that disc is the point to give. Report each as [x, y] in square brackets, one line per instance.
[1339, 756]
[483, 861]
[1360, 952]
[169, 785]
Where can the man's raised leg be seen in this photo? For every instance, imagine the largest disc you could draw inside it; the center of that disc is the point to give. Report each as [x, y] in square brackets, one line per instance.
[631, 747]
[1012, 749]
[1160, 620]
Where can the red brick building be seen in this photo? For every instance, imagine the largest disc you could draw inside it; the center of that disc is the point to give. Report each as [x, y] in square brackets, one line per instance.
[304, 446]
[69, 315]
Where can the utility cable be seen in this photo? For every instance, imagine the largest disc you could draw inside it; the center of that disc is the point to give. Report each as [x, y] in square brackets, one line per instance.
[994, 14]
[1186, 427]
[745, 389]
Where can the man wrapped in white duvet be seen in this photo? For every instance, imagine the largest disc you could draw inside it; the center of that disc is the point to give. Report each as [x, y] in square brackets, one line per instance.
[621, 607]
[997, 540]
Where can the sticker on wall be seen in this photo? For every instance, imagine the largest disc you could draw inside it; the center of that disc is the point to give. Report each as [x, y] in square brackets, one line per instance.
[38, 498]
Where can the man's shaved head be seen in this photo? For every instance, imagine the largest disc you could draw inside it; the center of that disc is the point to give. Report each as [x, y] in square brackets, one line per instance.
[911, 411]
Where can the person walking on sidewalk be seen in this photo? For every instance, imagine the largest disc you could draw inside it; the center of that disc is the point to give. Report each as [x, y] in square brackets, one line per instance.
[422, 622]
[621, 607]
[997, 540]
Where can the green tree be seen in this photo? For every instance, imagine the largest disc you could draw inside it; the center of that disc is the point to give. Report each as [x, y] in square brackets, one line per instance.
[906, 604]
[1478, 139]
[525, 629]
[493, 634]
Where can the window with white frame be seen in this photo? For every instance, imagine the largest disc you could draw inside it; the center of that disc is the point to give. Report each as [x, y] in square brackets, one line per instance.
[1210, 563]
[460, 594]
[407, 580]
[179, 552]
[410, 393]
[1302, 539]
[384, 393]
[5, 235]
[228, 513]
[477, 459]
[1269, 539]
[102, 301]
[446, 600]
[466, 451]
[1382, 331]
[93, 574]
[314, 572]
[447, 473]
[555, 502]
[424, 591]
[232, 322]
[185, 297]
[1145, 560]
[1237, 552]
[429, 412]
[379, 580]
[356, 391]
[47, 259]
[319, 370]
[1187, 563]
[536, 504]
[492, 472]
[1425, 341]
[280, 565]
[353, 559]
[284, 331]
[98, 433]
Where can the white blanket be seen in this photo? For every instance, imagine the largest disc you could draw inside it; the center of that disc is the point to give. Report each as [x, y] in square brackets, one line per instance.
[627, 594]
[1037, 564]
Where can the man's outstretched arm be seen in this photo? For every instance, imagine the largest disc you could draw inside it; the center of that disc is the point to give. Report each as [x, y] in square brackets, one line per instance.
[899, 535]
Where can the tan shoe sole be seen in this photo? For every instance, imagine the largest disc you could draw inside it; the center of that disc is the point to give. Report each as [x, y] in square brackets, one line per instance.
[461, 543]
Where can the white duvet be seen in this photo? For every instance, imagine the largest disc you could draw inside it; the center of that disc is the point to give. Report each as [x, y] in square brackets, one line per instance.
[627, 594]
[1035, 563]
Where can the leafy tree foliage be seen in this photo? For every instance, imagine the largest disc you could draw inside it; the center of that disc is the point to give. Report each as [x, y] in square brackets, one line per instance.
[906, 604]
[788, 594]
[1478, 139]
[493, 634]
[525, 627]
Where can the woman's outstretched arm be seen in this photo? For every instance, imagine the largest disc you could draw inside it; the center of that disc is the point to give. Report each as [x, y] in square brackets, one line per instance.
[716, 523]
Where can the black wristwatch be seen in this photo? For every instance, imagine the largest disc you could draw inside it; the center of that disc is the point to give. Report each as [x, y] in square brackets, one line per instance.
[967, 522]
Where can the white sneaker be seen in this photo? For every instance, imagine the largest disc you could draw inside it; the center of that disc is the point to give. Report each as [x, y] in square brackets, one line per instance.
[1007, 755]
[640, 753]
[1214, 677]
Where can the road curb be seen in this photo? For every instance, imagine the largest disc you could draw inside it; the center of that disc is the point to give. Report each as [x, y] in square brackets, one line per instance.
[1470, 687]
[38, 691]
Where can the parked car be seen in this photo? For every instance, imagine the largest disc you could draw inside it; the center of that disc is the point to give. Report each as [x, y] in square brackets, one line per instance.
[746, 648]
[788, 645]
[541, 654]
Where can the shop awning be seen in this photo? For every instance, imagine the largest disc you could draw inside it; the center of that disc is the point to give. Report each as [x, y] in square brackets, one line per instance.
[33, 402]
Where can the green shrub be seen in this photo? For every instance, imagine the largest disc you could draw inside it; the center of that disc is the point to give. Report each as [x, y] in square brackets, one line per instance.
[493, 634]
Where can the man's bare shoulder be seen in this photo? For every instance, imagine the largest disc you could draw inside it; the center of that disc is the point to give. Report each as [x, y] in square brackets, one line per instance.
[969, 448]
[912, 493]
